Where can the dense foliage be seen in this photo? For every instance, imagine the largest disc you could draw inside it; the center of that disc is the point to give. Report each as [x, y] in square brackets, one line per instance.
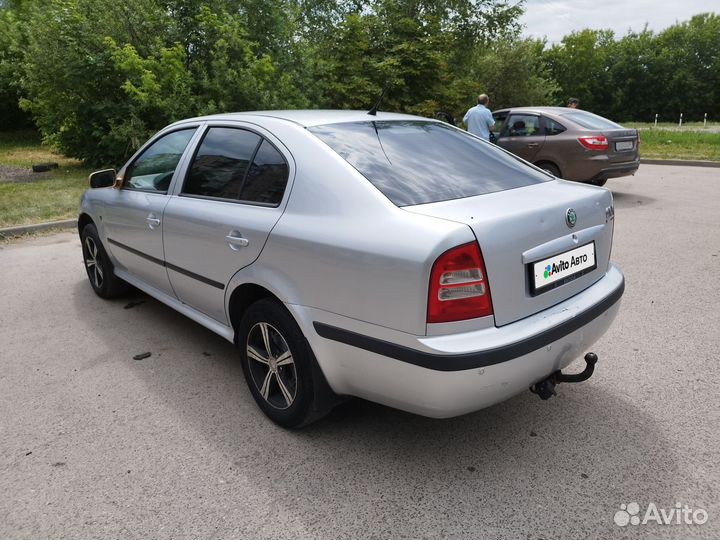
[97, 77]
[643, 74]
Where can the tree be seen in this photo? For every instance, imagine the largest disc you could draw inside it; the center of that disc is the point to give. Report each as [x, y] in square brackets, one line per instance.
[688, 71]
[12, 42]
[514, 74]
[581, 67]
[99, 77]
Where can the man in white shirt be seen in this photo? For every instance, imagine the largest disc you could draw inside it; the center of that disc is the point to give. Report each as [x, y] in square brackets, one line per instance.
[479, 119]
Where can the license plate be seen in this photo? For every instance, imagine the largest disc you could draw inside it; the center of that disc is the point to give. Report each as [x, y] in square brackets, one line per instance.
[562, 268]
[624, 145]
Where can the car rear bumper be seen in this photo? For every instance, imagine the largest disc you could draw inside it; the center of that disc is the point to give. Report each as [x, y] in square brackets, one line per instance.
[586, 168]
[444, 376]
[617, 170]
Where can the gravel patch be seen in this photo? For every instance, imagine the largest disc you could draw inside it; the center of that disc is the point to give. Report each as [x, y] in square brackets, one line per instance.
[19, 174]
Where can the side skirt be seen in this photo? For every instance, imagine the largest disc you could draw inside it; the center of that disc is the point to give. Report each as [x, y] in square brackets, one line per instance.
[200, 318]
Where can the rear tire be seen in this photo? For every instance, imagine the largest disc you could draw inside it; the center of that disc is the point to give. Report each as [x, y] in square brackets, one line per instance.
[99, 269]
[600, 182]
[549, 167]
[278, 364]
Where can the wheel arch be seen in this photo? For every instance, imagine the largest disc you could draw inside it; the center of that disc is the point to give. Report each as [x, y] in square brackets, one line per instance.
[541, 162]
[245, 295]
[242, 297]
[84, 220]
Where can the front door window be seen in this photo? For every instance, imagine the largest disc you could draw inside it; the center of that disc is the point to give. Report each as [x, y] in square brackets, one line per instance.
[155, 167]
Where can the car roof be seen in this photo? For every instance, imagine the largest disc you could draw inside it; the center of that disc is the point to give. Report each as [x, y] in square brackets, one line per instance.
[538, 110]
[309, 117]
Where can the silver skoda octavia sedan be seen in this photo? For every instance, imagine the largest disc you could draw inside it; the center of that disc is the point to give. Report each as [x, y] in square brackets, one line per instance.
[389, 257]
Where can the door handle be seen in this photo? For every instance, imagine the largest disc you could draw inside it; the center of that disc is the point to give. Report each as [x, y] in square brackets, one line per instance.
[533, 145]
[236, 241]
[152, 221]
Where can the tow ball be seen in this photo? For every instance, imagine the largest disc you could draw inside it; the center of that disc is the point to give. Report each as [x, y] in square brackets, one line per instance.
[546, 388]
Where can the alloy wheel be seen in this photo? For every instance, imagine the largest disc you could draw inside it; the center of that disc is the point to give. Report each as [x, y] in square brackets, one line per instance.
[271, 365]
[92, 263]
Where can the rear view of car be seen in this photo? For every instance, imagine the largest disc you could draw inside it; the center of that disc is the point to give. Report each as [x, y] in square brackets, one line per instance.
[387, 257]
[569, 143]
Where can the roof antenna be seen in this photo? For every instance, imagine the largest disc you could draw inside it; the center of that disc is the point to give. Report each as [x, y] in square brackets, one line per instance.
[374, 110]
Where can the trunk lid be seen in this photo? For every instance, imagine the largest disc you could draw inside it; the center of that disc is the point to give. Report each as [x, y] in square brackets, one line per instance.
[622, 144]
[519, 227]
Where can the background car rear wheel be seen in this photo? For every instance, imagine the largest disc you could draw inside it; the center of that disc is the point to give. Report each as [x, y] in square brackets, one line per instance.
[549, 167]
[600, 182]
[98, 266]
[278, 364]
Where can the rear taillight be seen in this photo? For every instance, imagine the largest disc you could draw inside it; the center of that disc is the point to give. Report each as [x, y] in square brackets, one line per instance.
[598, 142]
[458, 286]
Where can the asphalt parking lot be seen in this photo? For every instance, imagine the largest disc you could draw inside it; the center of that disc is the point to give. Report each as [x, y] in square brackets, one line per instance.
[94, 444]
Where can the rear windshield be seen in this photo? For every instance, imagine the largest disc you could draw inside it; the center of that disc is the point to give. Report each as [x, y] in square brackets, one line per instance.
[416, 162]
[590, 120]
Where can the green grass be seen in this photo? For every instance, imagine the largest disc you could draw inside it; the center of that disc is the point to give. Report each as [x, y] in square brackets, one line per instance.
[664, 144]
[55, 196]
[687, 126]
[668, 141]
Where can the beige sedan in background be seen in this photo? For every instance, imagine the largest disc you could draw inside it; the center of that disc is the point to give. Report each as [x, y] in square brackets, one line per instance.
[569, 143]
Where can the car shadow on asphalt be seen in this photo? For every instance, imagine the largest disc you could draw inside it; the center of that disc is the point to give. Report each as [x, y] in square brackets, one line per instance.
[624, 199]
[483, 469]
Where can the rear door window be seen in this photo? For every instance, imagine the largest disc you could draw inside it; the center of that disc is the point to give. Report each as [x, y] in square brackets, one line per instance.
[237, 165]
[219, 167]
[416, 162]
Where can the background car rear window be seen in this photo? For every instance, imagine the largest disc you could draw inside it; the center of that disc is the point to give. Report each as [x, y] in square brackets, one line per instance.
[220, 165]
[591, 121]
[416, 162]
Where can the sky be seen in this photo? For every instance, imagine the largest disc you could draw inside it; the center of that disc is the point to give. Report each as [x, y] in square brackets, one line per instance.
[557, 18]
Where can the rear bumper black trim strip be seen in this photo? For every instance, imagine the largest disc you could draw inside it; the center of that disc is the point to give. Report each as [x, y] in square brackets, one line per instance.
[166, 264]
[460, 362]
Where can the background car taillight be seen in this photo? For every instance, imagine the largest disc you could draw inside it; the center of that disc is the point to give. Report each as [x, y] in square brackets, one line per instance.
[598, 142]
[458, 286]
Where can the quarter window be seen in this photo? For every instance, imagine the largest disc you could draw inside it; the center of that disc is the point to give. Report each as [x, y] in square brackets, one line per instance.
[553, 128]
[155, 167]
[268, 175]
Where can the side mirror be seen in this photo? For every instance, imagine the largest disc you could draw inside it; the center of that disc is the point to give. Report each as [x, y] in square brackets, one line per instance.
[102, 179]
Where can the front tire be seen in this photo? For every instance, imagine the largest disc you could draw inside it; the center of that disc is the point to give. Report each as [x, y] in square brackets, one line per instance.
[98, 266]
[277, 363]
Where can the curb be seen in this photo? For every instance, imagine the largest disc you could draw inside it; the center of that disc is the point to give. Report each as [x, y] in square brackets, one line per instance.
[25, 229]
[680, 162]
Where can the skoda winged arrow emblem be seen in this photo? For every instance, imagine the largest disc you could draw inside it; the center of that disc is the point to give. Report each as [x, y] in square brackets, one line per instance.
[570, 218]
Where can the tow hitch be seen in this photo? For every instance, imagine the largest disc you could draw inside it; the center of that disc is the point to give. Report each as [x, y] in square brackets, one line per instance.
[546, 388]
